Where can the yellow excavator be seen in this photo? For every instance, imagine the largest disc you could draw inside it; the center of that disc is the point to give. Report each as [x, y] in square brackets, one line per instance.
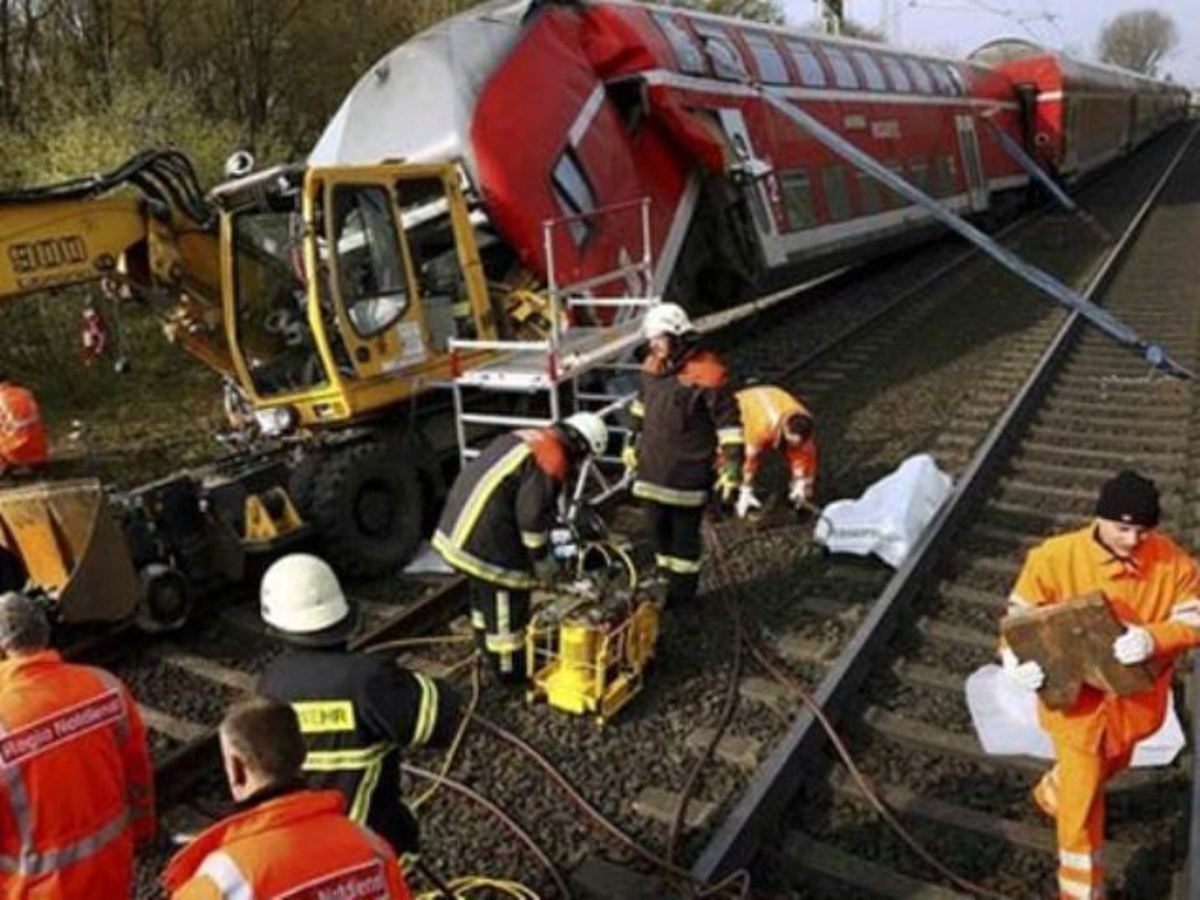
[327, 297]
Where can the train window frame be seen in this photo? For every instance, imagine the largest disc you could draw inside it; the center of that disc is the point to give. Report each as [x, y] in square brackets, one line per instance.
[570, 164]
[760, 45]
[896, 73]
[869, 68]
[840, 65]
[945, 86]
[724, 57]
[837, 194]
[959, 80]
[808, 64]
[922, 83]
[688, 51]
[796, 194]
[870, 195]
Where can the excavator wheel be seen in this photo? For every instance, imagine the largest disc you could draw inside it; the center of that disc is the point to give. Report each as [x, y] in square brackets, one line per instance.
[365, 503]
[165, 603]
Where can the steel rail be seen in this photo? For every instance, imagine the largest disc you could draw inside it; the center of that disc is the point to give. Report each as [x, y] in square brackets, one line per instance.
[736, 841]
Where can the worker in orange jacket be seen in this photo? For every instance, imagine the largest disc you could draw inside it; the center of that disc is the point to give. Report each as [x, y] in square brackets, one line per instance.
[1153, 587]
[77, 783]
[284, 840]
[774, 419]
[22, 436]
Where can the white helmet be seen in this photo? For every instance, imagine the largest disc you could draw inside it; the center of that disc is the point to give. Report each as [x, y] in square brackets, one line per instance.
[591, 428]
[666, 318]
[300, 595]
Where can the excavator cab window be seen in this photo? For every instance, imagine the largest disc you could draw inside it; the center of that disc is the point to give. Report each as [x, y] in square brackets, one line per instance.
[370, 268]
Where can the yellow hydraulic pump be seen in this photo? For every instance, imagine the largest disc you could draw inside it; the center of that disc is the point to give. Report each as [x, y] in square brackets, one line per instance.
[589, 644]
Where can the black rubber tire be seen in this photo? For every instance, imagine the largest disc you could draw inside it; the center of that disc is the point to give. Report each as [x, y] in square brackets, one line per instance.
[365, 503]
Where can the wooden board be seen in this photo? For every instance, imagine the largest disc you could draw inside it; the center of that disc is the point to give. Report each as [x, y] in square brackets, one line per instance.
[1073, 642]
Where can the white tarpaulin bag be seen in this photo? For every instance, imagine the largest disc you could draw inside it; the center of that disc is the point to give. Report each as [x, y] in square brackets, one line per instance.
[890, 515]
[1006, 722]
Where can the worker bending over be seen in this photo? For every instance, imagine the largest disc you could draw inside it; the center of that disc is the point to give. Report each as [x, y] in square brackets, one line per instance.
[1153, 587]
[77, 783]
[684, 411]
[496, 528]
[23, 442]
[283, 840]
[355, 709]
[773, 419]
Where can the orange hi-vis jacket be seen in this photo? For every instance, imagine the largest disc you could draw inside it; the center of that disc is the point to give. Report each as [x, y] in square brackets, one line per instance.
[77, 782]
[22, 435]
[297, 845]
[764, 410]
[1157, 588]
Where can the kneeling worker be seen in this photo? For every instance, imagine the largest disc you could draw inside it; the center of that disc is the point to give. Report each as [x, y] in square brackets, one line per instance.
[1153, 587]
[283, 840]
[773, 419]
[356, 709]
[496, 527]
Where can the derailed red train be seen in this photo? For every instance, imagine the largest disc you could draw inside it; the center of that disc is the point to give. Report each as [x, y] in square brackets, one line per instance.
[557, 109]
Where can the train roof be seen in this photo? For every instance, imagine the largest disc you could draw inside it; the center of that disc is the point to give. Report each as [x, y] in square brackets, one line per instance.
[1005, 50]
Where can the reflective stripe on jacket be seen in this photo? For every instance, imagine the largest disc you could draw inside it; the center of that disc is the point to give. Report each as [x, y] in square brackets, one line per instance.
[297, 845]
[1158, 588]
[356, 710]
[764, 410]
[22, 435]
[684, 411]
[497, 519]
[78, 786]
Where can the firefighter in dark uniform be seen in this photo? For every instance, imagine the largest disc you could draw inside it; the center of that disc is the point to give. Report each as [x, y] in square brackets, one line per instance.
[355, 709]
[686, 423]
[496, 528]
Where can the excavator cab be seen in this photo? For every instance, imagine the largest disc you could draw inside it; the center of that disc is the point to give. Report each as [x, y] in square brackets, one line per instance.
[344, 286]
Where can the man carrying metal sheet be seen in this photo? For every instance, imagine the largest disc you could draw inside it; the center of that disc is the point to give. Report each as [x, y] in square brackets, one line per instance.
[1153, 587]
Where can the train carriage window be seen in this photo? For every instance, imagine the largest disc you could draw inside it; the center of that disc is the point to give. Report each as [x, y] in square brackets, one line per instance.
[944, 84]
[919, 76]
[956, 77]
[900, 79]
[797, 199]
[843, 72]
[918, 176]
[811, 71]
[771, 67]
[870, 69]
[891, 198]
[833, 179]
[870, 192]
[726, 61]
[574, 194]
[687, 53]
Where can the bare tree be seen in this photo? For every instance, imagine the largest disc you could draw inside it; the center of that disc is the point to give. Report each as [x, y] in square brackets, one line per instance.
[1138, 40]
[759, 10]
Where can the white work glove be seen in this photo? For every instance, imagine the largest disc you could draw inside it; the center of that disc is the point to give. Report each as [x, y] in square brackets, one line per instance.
[800, 492]
[747, 502]
[1135, 646]
[1029, 674]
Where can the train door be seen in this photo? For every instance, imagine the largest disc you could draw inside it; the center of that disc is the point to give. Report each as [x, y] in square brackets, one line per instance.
[758, 181]
[972, 164]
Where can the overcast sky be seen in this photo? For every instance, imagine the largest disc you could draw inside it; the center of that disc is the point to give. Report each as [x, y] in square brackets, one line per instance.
[959, 26]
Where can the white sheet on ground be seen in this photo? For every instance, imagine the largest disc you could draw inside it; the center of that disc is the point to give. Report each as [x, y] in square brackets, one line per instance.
[1006, 722]
[427, 561]
[889, 517]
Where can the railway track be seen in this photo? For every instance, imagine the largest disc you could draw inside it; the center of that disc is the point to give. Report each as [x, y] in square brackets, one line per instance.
[632, 772]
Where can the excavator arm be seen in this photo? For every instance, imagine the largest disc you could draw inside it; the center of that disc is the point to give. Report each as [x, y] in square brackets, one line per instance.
[144, 229]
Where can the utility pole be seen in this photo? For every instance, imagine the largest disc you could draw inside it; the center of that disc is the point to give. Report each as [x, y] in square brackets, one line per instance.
[831, 16]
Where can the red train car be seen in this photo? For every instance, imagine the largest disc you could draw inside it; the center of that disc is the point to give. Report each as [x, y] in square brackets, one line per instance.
[584, 108]
[1081, 115]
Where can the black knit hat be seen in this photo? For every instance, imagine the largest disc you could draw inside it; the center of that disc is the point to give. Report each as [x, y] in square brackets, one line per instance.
[1128, 497]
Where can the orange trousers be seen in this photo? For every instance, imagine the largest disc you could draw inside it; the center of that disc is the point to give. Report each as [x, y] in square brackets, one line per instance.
[1073, 793]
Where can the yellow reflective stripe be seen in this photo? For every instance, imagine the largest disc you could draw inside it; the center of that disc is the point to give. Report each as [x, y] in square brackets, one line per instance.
[677, 564]
[478, 619]
[534, 540]
[318, 716]
[468, 516]
[644, 490]
[462, 308]
[1081, 861]
[1187, 613]
[366, 787]
[349, 760]
[728, 436]
[426, 712]
[503, 613]
[484, 571]
[637, 408]
[503, 643]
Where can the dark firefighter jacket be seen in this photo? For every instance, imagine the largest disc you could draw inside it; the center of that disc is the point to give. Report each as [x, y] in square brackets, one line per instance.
[497, 519]
[356, 710]
[684, 410]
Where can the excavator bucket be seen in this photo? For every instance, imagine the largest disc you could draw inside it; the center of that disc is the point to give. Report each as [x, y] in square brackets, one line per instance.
[71, 547]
